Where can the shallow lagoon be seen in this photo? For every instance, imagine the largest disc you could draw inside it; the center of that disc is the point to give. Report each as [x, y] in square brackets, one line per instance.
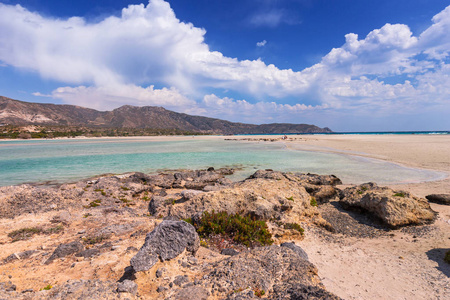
[73, 159]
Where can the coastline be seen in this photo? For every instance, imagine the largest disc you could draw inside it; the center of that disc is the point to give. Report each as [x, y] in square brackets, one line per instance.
[427, 152]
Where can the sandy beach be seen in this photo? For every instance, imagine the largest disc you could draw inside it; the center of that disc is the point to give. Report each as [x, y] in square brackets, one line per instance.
[403, 266]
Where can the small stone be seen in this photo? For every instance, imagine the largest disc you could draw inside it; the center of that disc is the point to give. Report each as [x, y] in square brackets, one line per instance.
[161, 289]
[127, 286]
[159, 273]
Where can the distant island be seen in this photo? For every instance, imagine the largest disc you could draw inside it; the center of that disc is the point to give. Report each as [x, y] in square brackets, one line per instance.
[19, 119]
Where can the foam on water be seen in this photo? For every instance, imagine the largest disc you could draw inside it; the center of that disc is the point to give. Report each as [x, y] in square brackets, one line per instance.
[69, 160]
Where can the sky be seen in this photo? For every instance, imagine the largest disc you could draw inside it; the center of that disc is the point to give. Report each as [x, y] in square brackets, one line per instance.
[348, 65]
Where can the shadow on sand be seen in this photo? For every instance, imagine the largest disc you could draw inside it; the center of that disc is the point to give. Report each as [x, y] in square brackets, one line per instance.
[438, 256]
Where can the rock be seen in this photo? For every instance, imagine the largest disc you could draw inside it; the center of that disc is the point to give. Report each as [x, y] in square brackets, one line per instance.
[26, 199]
[229, 252]
[64, 250]
[301, 291]
[165, 242]
[296, 249]
[261, 198]
[162, 180]
[439, 198]
[325, 193]
[180, 280]
[7, 286]
[63, 217]
[188, 194]
[82, 289]
[270, 268]
[127, 286]
[159, 272]
[88, 253]
[17, 256]
[191, 293]
[161, 289]
[394, 208]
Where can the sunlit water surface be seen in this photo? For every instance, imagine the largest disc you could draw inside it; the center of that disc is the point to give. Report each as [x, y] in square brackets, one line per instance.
[73, 159]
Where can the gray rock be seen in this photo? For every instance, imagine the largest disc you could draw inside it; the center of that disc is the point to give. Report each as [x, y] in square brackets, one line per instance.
[229, 252]
[65, 250]
[88, 253]
[180, 280]
[127, 286]
[161, 289]
[17, 256]
[82, 289]
[191, 293]
[165, 242]
[272, 268]
[7, 286]
[296, 249]
[159, 272]
[439, 198]
[188, 194]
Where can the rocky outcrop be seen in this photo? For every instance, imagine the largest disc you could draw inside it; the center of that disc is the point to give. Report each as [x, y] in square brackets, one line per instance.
[394, 208]
[277, 272]
[443, 199]
[261, 198]
[165, 242]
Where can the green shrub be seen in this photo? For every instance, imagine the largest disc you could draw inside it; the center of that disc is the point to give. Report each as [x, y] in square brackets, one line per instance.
[124, 188]
[48, 287]
[447, 257]
[399, 195]
[294, 226]
[290, 198]
[241, 229]
[313, 201]
[259, 293]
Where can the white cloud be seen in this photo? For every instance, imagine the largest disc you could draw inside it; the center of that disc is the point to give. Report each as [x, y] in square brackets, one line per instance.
[105, 64]
[261, 44]
[114, 96]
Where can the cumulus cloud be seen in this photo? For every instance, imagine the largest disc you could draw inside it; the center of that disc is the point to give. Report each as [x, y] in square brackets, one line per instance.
[120, 60]
[261, 44]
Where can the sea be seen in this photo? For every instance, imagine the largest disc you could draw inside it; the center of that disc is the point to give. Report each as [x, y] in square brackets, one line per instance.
[67, 160]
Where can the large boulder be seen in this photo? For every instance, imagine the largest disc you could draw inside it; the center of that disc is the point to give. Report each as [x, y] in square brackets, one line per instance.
[394, 208]
[261, 198]
[168, 240]
[278, 271]
[443, 199]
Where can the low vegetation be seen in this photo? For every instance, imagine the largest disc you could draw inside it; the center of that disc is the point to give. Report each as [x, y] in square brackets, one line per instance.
[241, 229]
[399, 195]
[294, 226]
[28, 232]
[313, 201]
[49, 132]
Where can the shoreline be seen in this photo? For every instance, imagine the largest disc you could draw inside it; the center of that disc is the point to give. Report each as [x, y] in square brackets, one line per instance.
[423, 152]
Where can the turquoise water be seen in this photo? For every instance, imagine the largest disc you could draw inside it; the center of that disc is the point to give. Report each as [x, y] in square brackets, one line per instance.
[68, 160]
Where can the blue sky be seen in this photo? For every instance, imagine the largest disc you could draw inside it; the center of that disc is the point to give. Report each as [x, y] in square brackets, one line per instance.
[350, 65]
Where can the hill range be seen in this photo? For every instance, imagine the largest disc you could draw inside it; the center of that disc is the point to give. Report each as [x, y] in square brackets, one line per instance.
[15, 112]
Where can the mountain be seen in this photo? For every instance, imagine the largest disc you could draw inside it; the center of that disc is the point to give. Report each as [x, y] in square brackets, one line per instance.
[15, 112]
